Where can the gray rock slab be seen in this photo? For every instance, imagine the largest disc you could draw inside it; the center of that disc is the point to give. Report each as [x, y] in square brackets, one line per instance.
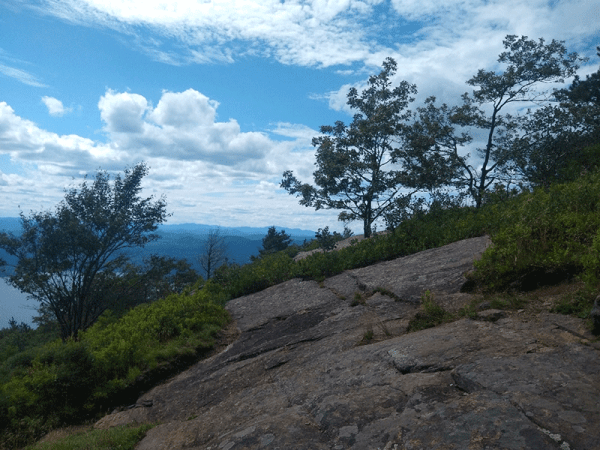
[439, 270]
[299, 376]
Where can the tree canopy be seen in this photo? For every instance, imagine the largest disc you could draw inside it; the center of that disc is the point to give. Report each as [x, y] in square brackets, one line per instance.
[275, 241]
[63, 255]
[527, 66]
[361, 169]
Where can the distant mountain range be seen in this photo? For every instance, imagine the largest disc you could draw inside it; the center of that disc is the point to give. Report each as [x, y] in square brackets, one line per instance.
[186, 241]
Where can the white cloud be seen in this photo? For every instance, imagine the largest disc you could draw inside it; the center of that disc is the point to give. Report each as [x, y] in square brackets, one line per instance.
[313, 32]
[184, 110]
[21, 75]
[55, 106]
[210, 171]
[123, 112]
[296, 131]
[323, 33]
[458, 37]
[65, 154]
[182, 126]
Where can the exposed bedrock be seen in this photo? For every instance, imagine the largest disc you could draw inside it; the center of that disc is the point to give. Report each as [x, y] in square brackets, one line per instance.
[302, 375]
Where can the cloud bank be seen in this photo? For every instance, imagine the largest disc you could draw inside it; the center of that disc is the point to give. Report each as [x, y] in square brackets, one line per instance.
[197, 160]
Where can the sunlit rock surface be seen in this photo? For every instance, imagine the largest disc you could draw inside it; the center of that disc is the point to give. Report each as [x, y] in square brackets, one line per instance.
[302, 374]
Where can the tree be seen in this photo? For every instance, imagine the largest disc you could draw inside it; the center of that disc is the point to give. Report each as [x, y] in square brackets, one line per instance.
[156, 278]
[214, 252]
[583, 91]
[275, 241]
[530, 64]
[62, 255]
[361, 170]
[434, 133]
[328, 240]
[556, 145]
[558, 141]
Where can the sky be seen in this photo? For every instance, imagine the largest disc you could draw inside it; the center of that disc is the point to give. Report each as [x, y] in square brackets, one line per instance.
[219, 98]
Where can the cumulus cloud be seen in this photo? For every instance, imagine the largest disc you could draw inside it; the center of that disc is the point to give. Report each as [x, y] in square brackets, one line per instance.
[55, 106]
[183, 126]
[65, 154]
[204, 166]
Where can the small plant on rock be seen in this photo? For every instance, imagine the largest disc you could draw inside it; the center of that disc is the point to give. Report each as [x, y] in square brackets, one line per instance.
[358, 299]
[368, 336]
[430, 316]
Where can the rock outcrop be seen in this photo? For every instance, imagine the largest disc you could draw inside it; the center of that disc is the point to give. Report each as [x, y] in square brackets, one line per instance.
[330, 366]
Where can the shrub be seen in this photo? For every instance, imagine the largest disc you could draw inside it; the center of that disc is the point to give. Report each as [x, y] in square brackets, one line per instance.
[66, 382]
[545, 236]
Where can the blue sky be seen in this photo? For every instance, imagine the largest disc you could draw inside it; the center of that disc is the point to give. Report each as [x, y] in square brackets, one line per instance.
[220, 97]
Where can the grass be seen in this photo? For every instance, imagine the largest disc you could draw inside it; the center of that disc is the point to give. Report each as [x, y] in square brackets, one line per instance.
[431, 314]
[121, 438]
[578, 303]
[358, 299]
[368, 336]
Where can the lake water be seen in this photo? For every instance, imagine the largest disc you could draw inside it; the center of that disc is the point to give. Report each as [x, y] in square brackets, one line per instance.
[13, 303]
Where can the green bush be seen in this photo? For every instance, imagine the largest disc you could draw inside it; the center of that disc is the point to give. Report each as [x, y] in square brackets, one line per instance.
[579, 303]
[66, 382]
[545, 235]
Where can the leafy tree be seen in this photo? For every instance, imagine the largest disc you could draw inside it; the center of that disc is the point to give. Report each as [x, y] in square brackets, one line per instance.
[275, 241]
[529, 64]
[214, 252]
[63, 254]
[434, 133]
[556, 145]
[134, 284]
[557, 141]
[583, 91]
[327, 240]
[361, 169]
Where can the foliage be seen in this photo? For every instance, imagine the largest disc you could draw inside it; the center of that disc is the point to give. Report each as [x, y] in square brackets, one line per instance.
[528, 65]
[440, 224]
[578, 303]
[361, 170]
[434, 133]
[156, 278]
[546, 235]
[557, 144]
[124, 437]
[66, 382]
[358, 299]
[367, 336]
[508, 302]
[263, 272]
[213, 253]
[583, 91]
[328, 240]
[274, 241]
[469, 311]
[61, 254]
[431, 314]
